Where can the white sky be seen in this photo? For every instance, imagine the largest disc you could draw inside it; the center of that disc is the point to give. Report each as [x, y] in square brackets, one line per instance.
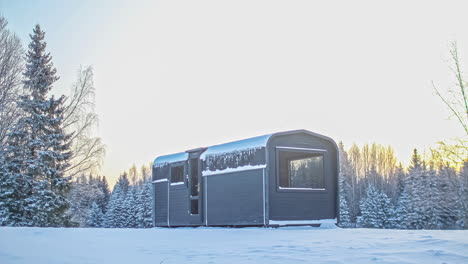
[175, 75]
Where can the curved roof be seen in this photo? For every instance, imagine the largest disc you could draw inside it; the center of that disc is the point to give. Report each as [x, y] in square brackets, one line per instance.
[244, 144]
[240, 145]
[162, 160]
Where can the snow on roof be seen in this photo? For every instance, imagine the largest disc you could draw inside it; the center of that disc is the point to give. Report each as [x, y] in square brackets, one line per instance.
[182, 156]
[245, 144]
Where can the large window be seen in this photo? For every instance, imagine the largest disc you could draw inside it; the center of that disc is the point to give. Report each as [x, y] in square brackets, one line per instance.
[301, 170]
[177, 175]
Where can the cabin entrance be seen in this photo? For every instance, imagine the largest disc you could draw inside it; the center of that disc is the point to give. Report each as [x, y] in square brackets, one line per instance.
[194, 184]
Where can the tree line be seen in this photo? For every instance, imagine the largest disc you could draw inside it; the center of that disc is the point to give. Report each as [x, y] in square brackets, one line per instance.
[377, 192]
[129, 205]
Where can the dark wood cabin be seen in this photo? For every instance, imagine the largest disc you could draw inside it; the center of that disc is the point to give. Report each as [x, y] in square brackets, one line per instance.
[285, 178]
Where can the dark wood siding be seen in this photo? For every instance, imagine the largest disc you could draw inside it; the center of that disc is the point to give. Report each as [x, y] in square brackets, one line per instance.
[299, 204]
[160, 199]
[178, 206]
[235, 198]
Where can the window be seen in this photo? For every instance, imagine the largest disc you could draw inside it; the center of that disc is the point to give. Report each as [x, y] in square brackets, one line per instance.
[194, 187]
[301, 170]
[177, 174]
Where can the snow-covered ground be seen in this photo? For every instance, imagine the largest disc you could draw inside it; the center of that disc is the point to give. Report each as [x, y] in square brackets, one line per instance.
[231, 245]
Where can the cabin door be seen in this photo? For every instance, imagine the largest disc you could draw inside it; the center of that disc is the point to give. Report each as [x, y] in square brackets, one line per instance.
[194, 190]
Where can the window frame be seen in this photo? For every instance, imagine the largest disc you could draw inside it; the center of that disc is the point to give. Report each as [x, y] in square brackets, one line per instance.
[312, 151]
[183, 182]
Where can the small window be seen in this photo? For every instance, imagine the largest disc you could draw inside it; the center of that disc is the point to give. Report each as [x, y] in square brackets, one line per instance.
[177, 174]
[194, 187]
[301, 170]
[194, 206]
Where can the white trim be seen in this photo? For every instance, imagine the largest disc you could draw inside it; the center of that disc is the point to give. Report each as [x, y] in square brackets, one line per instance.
[206, 201]
[168, 191]
[177, 183]
[231, 170]
[160, 180]
[307, 149]
[302, 222]
[264, 199]
[308, 189]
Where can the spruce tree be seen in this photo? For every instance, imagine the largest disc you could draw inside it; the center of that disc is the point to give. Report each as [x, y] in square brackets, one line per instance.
[130, 210]
[115, 215]
[96, 217]
[376, 209]
[145, 206]
[345, 220]
[104, 186]
[402, 211]
[38, 150]
[462, 221]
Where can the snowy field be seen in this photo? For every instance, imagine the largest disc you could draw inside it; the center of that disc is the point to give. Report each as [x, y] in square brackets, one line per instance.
[231, 245]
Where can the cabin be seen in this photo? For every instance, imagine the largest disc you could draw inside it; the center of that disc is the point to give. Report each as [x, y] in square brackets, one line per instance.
[285, 178]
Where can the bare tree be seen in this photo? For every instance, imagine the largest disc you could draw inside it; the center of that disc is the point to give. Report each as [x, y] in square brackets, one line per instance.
[457, 100]
[11, 66]
[81, 119]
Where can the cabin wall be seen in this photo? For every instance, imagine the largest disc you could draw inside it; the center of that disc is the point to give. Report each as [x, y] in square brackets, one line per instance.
[235, 198]
[160, 193]
[160, 203]
[300, 204]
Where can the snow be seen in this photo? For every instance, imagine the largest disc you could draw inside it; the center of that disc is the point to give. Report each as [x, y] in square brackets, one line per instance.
[249, 143]
[160, 180]
[163, 160]
[302, 222]
[231, 245]
[230, 170]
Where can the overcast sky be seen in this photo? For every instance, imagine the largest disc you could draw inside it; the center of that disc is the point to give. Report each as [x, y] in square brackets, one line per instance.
[175, 75]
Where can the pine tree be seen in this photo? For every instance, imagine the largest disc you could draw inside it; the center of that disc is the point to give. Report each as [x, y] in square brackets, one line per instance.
[416, 162]
[145, 206]
[15, 186]
[417, 190]
[38, 150]
[345, 220]
[462, 203]
[130, 210]
[96, 217]
[115, 215]
[376, 209]
[402, 210]
[104, 186]
[84, 192]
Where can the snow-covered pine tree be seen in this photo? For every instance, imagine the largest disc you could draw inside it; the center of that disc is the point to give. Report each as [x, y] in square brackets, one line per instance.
[351, 183]
[15, 186]
[402, 210]
[84, 191]
[345, 220]
[114, 217]
[376, 209]
[462, 221]
[38, 150]
[416, 188]
[95, 217]
[130, 209]
[145, 206]
[104, 187]
[445, 183]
